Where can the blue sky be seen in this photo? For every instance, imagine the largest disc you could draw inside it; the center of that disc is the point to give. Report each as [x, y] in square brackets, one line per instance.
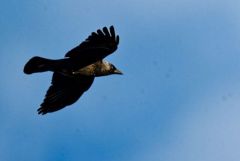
[178, 99]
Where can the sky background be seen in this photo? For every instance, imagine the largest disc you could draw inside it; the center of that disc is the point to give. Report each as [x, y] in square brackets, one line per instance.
[178, 100]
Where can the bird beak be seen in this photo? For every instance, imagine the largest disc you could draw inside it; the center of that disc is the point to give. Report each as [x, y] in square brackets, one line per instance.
[116, 71]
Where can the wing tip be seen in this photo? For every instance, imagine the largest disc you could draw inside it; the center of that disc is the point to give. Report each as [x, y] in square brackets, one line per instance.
[42, 111]
[117, 39]
[111, 27]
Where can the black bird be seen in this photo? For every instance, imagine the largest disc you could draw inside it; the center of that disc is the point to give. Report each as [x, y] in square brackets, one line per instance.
[74, 74]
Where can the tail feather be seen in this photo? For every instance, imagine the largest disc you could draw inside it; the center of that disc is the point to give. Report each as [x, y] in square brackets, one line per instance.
[38, 64]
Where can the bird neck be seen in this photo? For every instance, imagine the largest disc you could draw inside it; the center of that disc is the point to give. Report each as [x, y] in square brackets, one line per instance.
[100, 68]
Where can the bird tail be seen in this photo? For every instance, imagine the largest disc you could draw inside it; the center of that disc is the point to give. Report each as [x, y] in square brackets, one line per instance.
[38, 64]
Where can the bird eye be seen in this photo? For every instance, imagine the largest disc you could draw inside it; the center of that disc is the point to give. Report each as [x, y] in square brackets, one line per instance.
[113, 67]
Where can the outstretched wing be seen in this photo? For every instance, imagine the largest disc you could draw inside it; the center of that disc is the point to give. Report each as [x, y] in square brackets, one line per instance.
[97, 46]
[64, 91]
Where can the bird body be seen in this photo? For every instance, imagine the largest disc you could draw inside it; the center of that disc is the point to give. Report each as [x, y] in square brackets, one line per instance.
[74, 74]
[100, 68]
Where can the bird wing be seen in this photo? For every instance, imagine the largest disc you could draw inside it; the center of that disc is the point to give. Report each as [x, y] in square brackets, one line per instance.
[64, 91]
[97, 46]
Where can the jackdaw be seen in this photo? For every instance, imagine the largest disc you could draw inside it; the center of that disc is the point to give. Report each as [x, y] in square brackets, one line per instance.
[74, 74]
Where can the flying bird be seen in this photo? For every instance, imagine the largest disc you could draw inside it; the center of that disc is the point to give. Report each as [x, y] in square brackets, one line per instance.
[74, 74]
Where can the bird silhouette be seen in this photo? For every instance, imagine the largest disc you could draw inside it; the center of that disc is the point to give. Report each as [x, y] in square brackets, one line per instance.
[75, 73]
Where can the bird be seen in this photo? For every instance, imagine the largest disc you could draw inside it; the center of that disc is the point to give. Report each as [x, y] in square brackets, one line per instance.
[74, 74]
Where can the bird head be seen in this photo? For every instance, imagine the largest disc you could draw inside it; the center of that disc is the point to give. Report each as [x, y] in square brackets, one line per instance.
[114, 70]
[107, 68]
[103, 68]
